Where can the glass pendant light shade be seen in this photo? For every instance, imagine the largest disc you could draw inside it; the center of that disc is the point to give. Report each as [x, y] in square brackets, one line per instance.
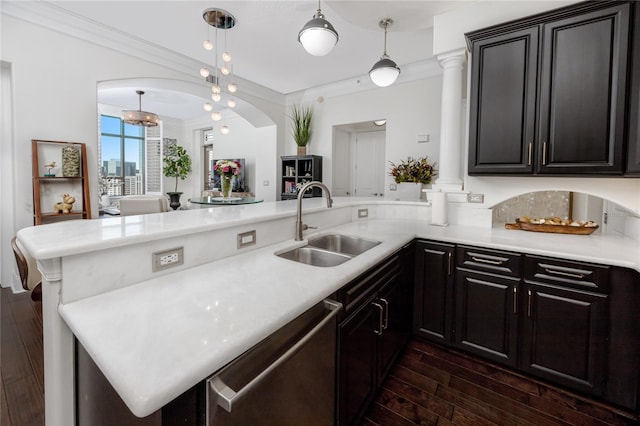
[216, 97]
[204, 71]
[207, 45]
[139, 117]
[232, 88]
[231, 103]
[318, 35]
[224, 130]
[216, 116]
[226, 56]
[384, 72]
[207, 106]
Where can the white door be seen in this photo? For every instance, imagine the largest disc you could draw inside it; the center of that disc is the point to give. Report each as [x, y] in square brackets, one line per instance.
[341, 164]
[369, 164]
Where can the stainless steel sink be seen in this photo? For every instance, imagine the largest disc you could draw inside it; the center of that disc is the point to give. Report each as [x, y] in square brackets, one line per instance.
[344, 244]
[315, 256]
[329, 250]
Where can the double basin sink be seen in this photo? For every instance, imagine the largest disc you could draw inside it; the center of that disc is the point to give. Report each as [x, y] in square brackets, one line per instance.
[329, 250]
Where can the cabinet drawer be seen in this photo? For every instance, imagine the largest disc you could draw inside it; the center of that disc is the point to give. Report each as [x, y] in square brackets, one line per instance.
[488, 260]
[578, 275]
[358, 291]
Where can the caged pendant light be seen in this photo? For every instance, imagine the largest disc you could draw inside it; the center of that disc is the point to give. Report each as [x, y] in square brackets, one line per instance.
[139, 117]
[318, 35]
[384, 72]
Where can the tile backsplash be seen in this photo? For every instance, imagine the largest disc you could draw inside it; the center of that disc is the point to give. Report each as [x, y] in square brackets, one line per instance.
[533, 204]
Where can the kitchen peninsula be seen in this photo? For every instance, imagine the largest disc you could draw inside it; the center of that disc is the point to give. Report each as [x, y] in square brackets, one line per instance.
[155, 335]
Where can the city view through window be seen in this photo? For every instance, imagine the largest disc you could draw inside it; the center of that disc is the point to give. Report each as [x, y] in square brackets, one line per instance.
[122, 157]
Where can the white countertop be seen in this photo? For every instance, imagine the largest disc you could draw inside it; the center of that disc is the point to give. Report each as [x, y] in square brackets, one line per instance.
[156, 339]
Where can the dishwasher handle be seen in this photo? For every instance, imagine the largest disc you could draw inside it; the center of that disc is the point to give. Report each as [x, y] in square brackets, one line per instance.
[227, 396]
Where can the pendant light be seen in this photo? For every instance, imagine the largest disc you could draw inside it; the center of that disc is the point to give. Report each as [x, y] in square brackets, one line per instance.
[220, 20]
[385, 71]
[139, 117]
[318, 35]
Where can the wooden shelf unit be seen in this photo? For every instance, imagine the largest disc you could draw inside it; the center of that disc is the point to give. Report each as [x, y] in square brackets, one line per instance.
[48, 190]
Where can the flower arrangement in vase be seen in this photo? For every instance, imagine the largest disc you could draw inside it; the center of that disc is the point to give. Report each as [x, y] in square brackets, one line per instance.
[227, 169]
[413, 172]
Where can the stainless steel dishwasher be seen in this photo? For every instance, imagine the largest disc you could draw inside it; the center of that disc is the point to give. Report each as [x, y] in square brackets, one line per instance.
[287, 379]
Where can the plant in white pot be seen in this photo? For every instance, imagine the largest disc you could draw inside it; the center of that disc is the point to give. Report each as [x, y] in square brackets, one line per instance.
[301, 120]
[177, 164]
[410, 175]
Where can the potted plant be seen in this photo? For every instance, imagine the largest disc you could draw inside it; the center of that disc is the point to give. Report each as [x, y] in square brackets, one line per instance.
[410, 175]
[301, 119]
[177, 164]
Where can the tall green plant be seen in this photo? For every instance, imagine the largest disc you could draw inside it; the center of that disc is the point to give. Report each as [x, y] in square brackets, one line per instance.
[301, 119]
[177, 163]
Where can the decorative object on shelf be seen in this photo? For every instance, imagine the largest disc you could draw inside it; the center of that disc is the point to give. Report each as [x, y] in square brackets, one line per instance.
[385, 71]
[177, 164]
[221, 20]
[301, 119]
[554, 225]
[410, 175]
[50, 167]
[65, 206]
[227, 169]
[318, 35]
[71, 161]
[139, 117]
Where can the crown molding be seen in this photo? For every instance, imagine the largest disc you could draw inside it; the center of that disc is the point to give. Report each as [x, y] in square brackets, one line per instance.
[57, 19]
[409, 72]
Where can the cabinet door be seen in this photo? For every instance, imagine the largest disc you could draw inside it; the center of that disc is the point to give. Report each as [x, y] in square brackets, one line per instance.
[356, 363]
[503, 96]
[433, 291]
[564, 336]
[582, 92]
[396, 298]
[487, 315]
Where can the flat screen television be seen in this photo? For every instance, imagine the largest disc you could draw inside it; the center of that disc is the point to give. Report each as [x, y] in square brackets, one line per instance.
[237, 183]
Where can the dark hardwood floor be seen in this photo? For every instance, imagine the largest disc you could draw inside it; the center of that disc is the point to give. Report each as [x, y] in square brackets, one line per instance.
[22, 362]
[428, 386]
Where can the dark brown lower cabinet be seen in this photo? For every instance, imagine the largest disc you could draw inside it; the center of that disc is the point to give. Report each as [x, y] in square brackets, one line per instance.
[564, 336]
[373, 332]
[433, 292]
[487, 315]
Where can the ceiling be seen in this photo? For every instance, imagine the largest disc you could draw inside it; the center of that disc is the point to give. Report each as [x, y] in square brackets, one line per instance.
[264, 41]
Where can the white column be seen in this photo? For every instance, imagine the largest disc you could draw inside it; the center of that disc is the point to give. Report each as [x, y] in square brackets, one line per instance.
[59, 358]
[450, 162]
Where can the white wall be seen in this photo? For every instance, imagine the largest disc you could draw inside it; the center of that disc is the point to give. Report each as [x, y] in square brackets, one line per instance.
[411, 109]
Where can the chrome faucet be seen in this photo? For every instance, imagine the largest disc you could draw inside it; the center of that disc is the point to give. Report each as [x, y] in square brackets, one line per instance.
[302, 226]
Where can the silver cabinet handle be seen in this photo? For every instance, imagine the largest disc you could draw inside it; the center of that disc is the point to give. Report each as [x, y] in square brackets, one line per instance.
[380, 324]
[544, 153]
[227, 396]
[529, 303]
[449, 268]
[530, 153]
[489, 261]
[386, 313]
[515, 300]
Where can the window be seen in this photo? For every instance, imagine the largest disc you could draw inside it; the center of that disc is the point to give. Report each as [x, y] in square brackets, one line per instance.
[124, 157]
[207, 145]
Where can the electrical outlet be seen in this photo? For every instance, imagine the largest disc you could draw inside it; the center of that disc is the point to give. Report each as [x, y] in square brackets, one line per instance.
[246, 239]
[475, 198]
[167, 259]
[393, 187]
[363, 213]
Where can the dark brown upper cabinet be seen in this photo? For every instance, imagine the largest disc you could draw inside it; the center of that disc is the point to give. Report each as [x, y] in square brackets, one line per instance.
[548, 93]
